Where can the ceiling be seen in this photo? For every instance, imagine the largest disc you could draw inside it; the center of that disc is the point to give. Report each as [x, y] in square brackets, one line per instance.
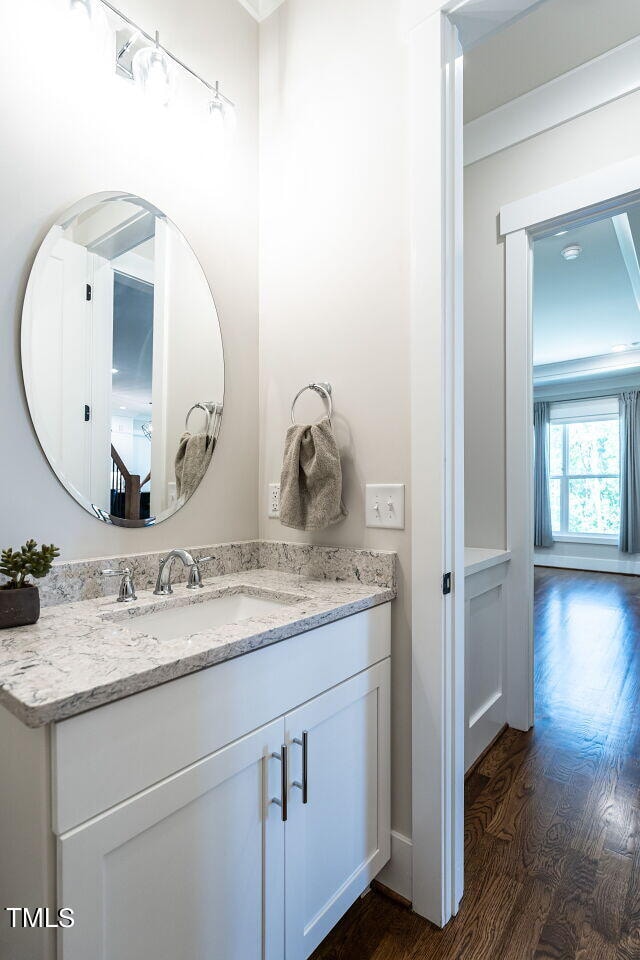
[584, 307]
[553, 37]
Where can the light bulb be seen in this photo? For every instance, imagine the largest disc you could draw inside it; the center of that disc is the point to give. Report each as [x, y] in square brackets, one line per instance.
[153, 72]
[223, 116]
[88, 13]
[216, 112]
[80, 9]
[91, 34]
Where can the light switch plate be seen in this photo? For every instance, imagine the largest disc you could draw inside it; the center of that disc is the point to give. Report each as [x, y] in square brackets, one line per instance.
[384, 505]
[274, 500]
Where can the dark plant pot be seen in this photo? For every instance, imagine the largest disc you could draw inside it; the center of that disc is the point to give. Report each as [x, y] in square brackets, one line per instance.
[19, 607]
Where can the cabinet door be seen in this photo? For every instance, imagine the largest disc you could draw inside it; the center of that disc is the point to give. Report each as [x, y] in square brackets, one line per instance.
[192, 868]
[338, 841]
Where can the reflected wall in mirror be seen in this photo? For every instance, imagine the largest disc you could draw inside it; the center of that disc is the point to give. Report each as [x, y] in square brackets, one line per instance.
[122, 360]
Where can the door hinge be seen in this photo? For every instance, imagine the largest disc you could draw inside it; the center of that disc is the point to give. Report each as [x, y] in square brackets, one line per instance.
[446, 584]
[89, 291]
[87, 413]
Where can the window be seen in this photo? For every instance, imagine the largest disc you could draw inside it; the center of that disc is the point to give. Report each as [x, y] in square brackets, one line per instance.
[584, 469]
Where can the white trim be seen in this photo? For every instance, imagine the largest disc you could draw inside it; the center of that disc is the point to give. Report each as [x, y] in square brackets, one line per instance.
[435, 70]
[600, 564]
[605, 365]
[397, 873]
[572, 390]
[608, 77]
[600, 539]
[593, 192]
[477, 20]
[261, 9]
[519, 432]
[583, 410]
[627, 246]
[477, 559]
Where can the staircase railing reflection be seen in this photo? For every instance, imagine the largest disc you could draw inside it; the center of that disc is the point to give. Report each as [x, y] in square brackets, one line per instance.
[125, 491]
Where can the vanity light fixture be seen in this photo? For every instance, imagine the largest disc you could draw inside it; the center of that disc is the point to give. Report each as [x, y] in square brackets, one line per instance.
[222, 112]
[152, 66]
[84, 9]
[153, 71]
[572, 252]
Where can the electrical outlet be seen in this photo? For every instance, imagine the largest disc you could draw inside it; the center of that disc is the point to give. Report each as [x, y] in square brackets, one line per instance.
[274, 500]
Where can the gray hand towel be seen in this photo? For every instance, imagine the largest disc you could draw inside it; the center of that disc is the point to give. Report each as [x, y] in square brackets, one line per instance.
[192, 459]
[311, 480]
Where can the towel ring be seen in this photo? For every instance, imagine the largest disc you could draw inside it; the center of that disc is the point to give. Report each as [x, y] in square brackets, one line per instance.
[208, 408]
[323, 389]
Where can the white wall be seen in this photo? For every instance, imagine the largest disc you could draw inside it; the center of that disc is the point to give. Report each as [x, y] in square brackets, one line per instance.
[335, 273]
[72, 129]
[575, 148]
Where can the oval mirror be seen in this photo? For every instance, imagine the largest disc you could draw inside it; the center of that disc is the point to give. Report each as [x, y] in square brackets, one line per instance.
[122, 360]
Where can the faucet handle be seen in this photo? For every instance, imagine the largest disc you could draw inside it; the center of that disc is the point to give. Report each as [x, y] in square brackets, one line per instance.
[195, 575]
[127, 591]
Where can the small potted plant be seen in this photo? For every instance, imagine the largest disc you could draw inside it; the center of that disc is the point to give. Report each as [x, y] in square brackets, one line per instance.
[20, 599]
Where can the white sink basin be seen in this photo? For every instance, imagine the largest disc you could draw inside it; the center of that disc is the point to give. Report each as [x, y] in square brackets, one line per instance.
[179, 621]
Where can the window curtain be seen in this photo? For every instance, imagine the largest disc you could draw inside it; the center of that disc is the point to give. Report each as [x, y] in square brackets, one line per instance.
[630, 472]
[543, 537]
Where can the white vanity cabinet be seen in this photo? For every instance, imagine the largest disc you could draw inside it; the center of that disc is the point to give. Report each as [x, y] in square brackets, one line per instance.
[171, 838]
[338, 840]
[192, 867]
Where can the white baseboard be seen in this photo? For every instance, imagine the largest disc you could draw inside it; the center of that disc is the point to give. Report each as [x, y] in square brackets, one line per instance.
[598, 564]
[398, 873]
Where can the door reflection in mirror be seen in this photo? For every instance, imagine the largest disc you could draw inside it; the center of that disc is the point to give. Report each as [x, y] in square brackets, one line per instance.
[121, 343]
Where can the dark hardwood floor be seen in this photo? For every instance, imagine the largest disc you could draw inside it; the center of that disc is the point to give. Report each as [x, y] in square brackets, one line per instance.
[552, 826]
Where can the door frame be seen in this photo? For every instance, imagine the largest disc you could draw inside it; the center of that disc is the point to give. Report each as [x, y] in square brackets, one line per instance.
[430, 28]
[521, 221]
[437, 441]
[437, 471]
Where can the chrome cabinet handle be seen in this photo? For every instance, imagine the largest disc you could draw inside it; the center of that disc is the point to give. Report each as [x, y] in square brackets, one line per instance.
[281, 802]
[304, 786]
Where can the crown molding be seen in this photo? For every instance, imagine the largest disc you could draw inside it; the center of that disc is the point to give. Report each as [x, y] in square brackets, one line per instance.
[593, 84]
[261, 9]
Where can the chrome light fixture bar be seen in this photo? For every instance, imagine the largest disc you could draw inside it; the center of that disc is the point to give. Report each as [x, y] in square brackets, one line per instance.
[154, 42]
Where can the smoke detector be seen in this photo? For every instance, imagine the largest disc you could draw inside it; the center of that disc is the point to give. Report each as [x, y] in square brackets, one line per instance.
[572, 252]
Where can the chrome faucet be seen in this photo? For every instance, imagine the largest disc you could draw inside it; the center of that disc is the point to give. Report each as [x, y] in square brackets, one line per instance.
[163, 583]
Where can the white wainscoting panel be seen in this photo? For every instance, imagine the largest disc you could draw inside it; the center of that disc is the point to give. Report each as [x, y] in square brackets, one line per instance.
[486, 658]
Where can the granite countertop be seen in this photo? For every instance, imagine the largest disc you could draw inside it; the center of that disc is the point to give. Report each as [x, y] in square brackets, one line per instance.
[84, 654]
